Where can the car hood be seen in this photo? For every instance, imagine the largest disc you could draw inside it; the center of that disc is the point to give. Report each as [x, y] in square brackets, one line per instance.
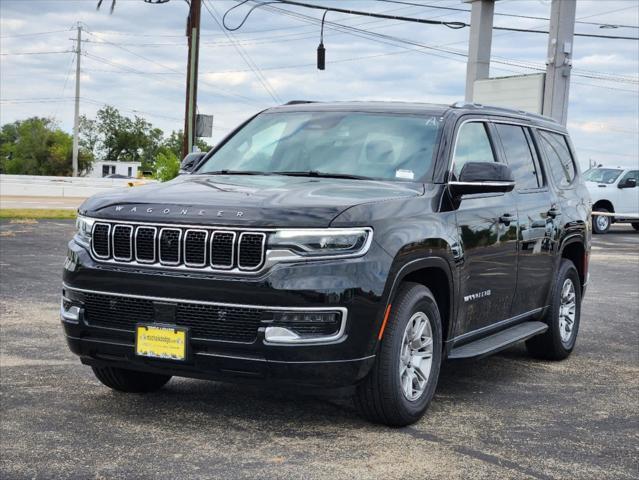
[243, 200]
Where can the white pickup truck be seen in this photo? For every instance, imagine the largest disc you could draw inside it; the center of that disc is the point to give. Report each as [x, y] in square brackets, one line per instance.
[613, 191]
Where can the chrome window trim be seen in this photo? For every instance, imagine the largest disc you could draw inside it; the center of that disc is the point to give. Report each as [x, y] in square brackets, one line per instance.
[93, 252]
[306, 341]
[179, 249]
[230, 265]
[485, 184]
[206, 240]
[113, 230]
[155, 239]
[262, 254]
[486, 119]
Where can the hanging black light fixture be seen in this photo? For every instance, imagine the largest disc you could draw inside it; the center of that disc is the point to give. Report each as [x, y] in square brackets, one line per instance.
[321, 51]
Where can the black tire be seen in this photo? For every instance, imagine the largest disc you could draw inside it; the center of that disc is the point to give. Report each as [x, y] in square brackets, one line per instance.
[635, 225]
[601, 227]
[130, 381]
[550, 345]
[379, 396]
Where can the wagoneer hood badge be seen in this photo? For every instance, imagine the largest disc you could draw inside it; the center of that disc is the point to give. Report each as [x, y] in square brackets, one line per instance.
[246, 201]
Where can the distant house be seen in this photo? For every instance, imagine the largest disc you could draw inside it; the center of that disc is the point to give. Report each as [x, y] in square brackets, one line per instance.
[104, 169]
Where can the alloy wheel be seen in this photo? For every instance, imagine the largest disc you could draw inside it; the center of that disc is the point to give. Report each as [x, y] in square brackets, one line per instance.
[416, 356]
[567, 311]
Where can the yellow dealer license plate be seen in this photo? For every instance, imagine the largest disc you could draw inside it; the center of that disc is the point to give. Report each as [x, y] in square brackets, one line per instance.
[160, 342]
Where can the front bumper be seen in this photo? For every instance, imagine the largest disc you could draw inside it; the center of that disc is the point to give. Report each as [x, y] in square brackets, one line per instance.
[355, 286]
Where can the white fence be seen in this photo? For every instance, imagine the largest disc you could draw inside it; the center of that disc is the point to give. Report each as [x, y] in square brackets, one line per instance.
[41, 186]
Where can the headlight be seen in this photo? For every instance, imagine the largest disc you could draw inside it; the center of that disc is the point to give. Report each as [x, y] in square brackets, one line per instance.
[84, 226]
[322, 242]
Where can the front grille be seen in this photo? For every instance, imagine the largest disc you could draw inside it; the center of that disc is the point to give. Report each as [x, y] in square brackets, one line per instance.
[251, 250]
[100, 241]
[209, 322]
[122, 242]
[170, 246]
[195, 248]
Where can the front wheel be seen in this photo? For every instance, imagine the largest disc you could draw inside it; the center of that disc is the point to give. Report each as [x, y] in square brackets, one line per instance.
[402, 382]
[562, 317]
[601, 223]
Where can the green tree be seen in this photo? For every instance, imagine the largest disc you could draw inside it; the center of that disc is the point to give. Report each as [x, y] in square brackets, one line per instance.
[114, 137]
[174, 143]
[167, 165]
[36, 146]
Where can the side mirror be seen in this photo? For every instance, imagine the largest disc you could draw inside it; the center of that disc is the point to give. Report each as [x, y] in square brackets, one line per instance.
[483, 177]
[189, 162]
[628, 183]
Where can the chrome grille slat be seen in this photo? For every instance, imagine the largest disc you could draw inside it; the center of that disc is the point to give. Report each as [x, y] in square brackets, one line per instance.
[122, 238]
[222, 248]
[180, 246]
[250, 252]
[145, 240]
[170, 246]
[101, 240]
[195, 247]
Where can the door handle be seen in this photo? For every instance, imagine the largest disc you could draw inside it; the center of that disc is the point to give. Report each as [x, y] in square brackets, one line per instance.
[554, 212]
[506, 218]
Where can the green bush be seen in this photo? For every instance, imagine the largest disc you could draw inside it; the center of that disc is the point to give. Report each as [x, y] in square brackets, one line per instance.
[167, 165]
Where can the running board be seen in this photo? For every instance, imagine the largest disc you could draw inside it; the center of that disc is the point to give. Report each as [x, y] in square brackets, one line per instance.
[497, 341]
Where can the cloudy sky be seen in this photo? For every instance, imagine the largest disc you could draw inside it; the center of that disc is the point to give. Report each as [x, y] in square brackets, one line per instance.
[135, 60]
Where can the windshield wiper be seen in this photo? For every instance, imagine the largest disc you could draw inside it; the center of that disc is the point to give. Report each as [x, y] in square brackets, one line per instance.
[234, 172]
[315, 173]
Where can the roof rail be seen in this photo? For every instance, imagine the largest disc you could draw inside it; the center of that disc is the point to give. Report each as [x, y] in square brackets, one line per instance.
[299, 102]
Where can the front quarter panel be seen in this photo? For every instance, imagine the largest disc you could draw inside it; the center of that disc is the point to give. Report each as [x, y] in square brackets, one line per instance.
[413, 233]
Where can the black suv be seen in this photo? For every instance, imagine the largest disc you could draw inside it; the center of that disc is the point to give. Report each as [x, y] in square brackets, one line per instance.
[338, 244]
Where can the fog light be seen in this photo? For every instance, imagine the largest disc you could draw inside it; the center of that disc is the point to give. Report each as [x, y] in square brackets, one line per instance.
[304, 327]
[69, 312]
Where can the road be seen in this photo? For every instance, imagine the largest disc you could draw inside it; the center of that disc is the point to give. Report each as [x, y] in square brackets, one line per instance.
[62, 203]
[507, 416]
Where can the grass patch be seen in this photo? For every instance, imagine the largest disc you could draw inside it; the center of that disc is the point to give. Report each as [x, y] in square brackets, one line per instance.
[37, 213]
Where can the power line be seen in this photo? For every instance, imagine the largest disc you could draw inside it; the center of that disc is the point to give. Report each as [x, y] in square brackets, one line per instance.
[34, 34]
[245, 56]
[453, 25]
[392, 40]
[512, 15]
[166, 67]
[35, 53]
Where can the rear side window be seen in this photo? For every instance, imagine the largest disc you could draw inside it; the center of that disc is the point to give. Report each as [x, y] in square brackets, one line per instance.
[473, 145]
[519, 156]
[560, 163]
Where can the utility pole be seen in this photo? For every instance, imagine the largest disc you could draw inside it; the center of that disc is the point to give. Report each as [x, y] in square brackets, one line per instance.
[559, 61]
[193, 33]
[479, 43]
[76, 117]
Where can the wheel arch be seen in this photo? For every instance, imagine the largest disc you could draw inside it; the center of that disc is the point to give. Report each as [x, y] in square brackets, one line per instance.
[603, 203]
[436, 274]
[574, 249]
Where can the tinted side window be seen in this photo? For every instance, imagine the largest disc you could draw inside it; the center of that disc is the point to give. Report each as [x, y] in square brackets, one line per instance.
[559, 158]
[473, 145]
[519, 156]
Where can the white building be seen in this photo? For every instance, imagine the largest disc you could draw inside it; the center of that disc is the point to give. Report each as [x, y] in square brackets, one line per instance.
[104, 169]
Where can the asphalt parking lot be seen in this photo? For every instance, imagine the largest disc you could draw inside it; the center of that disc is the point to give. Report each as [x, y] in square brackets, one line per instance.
[507, 416]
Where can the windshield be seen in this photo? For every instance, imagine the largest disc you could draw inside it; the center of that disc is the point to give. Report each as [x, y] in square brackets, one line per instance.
[602, 175]
[380, 146]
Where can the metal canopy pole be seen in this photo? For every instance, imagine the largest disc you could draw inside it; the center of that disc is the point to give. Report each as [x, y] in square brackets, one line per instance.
[479, 43]
[559, 61]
